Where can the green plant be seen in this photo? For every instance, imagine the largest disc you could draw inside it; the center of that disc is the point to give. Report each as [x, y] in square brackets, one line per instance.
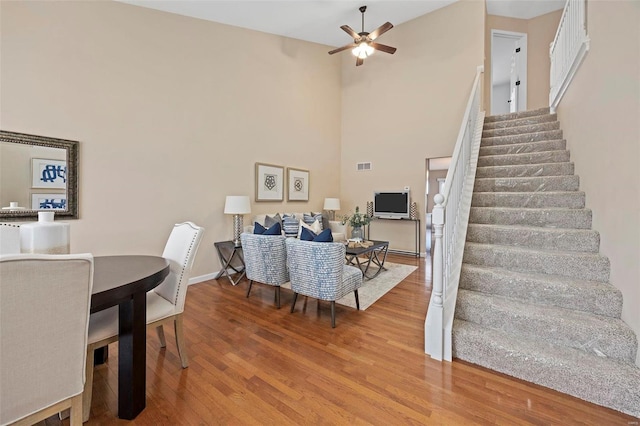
[356, 219]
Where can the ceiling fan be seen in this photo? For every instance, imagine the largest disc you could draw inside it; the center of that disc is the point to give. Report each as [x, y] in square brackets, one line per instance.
[363, 44]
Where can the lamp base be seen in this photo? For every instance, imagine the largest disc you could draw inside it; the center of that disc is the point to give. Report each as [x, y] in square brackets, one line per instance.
[237, 229]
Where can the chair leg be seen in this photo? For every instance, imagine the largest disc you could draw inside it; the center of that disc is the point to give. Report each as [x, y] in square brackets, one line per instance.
[278, 296]
[182, 347]
[88, 386]
[249, 289]
[160, 332]
[357, 299]
[333, 314]
[293, 304]
[76, 410]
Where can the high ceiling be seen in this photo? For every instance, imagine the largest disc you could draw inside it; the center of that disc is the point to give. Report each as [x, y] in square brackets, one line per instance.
[319, 21]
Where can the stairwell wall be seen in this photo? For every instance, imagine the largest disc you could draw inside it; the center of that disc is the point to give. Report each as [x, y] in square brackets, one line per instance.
[599, 115]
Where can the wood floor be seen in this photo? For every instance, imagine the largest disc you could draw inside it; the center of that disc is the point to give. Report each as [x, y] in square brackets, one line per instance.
[251, 363]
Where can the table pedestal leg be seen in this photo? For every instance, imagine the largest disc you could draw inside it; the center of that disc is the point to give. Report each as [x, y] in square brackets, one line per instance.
[132, 340]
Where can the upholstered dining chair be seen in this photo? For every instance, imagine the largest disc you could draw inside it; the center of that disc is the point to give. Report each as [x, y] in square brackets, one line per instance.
[9, 238]
[265, 259]
[318, 270]
[165, 303]
[44, 314]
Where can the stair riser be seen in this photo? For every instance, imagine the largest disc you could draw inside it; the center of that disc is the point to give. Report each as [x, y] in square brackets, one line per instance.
[600, 381]
[585, 267]
[577, 219]
[524, 159]
[520, 122]
[529, 128]
[528, 170]
[517, 115]
[582, 296]
[569, 200]
[536, 238]
[529, 137]
[531, 184]
[521, 148]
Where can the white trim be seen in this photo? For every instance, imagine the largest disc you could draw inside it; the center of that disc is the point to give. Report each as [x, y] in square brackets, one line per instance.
[584, 48]
[525, 50]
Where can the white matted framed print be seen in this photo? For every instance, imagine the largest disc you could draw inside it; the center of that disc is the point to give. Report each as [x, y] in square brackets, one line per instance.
[49, 201]
[298, 184]
[50, 174]
[269, 182]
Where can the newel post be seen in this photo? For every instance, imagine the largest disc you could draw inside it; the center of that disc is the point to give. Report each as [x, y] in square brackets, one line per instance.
[434, 335]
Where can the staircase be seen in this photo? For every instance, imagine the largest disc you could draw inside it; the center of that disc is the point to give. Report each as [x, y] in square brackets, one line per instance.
[534, 300]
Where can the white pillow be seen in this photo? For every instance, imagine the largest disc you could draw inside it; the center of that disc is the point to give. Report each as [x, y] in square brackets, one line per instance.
[315, 227]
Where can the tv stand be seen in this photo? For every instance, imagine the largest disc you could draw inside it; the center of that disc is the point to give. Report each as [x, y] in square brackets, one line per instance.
[415, 253]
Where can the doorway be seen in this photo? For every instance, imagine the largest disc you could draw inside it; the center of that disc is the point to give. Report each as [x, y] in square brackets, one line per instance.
[508, 72]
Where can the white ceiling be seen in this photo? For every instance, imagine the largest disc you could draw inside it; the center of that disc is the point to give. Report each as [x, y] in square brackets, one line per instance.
[319, 21]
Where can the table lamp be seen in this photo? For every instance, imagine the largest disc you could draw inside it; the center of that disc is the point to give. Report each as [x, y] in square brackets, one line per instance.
[237, 205]
[331, 205]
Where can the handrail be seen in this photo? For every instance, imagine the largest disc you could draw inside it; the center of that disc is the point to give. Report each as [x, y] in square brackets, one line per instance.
[449, 221]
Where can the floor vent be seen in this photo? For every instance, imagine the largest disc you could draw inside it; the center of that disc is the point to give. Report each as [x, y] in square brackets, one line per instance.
[361, 167]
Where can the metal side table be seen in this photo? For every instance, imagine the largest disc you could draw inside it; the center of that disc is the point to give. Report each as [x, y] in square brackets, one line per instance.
[232, 261]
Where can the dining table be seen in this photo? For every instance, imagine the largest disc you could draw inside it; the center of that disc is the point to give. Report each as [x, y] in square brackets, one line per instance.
[124, 281]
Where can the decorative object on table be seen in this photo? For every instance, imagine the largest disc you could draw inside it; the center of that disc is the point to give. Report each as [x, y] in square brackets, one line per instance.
[49, 201]
[45, 236]
[50, 174]
[356, 220]
[13, 205]
[413, 211]
[269, 182]
[359, 244]
[331, 205]
[298, 184]
[370, 208]
[237, 205]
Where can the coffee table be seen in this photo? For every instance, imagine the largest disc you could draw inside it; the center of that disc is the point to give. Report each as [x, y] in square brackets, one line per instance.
[374, 254]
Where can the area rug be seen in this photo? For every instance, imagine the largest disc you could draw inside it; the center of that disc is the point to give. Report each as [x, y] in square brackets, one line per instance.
[374, 289]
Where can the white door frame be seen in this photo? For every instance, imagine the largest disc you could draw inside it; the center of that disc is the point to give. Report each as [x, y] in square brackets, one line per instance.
[523, 76]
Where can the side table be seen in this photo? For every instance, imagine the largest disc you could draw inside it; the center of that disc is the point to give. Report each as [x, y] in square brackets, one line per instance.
[231, 257]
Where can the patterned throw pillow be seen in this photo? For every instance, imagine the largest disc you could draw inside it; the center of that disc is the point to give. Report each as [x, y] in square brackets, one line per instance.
[310, 219]
[290, 225]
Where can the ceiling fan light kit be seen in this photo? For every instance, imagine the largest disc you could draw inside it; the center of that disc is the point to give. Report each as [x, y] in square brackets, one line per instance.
[363, 45]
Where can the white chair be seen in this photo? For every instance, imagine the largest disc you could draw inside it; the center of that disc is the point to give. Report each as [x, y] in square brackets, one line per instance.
[165, 303]
[44, 314]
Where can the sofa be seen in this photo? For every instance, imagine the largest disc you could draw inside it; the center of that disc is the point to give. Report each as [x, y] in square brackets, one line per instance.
[338, 230]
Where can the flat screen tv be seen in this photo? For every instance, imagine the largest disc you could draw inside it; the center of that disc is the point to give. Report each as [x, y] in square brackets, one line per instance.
[391, 205]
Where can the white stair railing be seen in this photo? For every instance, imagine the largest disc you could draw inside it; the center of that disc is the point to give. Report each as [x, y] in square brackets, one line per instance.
[568, 49]
[449, 221]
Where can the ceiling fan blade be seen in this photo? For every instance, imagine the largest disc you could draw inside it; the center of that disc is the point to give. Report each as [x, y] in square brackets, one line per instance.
[383, 47]
[359, 61]
[347, 29]
[380, 30]
[340, 49]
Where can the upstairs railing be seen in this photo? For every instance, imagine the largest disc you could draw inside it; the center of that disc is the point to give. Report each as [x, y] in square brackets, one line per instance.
[568, 49]
[449, 222]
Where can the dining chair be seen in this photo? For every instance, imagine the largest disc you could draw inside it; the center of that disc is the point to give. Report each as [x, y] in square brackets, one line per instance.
[265, 260]
[9, 238]
[318, 270]
[44, 314]
[165, 303]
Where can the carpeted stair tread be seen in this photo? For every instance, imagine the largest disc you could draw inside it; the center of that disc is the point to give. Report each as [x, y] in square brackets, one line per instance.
[567, 239]
[559, 156]
[587, 266]
[545, 199]
[545, 169]
[522, 138]
[552, 290]
[527, 184]
[516, 115]
[521, 148]
[554, 217]
[526, 128]
[595, 334]
[603, 381]
[517, 122]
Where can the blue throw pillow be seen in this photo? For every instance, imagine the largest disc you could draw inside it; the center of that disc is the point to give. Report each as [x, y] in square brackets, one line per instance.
[258, 229]
[274, 230]
[324, 237]
[307, 235]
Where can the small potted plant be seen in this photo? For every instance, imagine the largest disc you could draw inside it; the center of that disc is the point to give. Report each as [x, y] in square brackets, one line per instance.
[357, 220]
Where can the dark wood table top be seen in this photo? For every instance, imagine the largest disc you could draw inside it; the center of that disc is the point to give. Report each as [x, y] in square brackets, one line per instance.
[117, 278]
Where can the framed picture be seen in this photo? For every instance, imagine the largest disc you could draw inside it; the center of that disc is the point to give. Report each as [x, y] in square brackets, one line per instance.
[50, 174]
[49, 201]
[269, 182]
[298, 184]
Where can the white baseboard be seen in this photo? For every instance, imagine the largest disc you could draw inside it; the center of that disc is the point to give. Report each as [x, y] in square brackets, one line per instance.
[201, 278]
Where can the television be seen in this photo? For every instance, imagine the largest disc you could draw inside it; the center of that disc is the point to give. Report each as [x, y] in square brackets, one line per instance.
[391, 205]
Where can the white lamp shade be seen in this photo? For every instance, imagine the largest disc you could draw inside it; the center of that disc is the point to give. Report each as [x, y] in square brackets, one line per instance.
[237, 204]
[332, 204]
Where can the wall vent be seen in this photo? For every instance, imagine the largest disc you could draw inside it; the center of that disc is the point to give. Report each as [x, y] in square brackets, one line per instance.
[362, 167]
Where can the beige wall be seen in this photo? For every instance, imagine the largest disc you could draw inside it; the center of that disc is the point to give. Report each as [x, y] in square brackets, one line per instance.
[540, 33]
[600, 117]
[398, 110]
[171, 114]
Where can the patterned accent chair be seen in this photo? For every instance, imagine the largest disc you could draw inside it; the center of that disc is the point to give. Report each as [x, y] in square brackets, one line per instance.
[318, 270]
[265, 259]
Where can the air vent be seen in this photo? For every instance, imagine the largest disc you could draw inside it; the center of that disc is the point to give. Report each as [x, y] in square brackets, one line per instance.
[362, 167]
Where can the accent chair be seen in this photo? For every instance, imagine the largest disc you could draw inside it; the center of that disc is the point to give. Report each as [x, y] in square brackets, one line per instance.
[265, 258]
